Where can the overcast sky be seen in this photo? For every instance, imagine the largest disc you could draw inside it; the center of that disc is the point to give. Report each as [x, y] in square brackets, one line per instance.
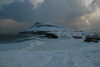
[19, 15]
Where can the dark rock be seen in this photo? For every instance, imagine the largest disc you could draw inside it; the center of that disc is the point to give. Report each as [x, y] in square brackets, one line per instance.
[93, 38]
[43, 33]
[77, 37]
[50, 35]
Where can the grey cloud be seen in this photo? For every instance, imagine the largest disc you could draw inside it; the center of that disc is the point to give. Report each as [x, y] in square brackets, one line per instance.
[63, 12]
[50, 11]
[6, 1]
[95, 4]
[18, 10]
[61, 9]
[94, 16]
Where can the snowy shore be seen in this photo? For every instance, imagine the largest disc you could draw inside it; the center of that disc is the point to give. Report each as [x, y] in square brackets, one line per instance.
[65, 51]
[50, 53]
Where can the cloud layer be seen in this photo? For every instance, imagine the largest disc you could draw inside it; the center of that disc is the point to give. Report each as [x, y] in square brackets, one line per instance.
[19, 11]
[63, 12]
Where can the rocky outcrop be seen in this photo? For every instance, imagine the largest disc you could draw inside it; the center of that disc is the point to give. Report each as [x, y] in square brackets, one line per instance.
[43, 34]
[77, 37]
[50, 35]
[93, 38]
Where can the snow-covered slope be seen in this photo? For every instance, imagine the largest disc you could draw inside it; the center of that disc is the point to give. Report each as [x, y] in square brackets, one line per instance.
[50, 53]
[48, 27]
[43, 52]
[60, 31]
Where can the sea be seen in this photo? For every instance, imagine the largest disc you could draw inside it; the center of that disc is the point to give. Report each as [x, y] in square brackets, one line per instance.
[8, 38]
[29, 42]
[18, 42]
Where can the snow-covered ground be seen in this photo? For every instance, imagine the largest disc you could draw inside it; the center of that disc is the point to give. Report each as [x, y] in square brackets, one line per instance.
[42, 52]
[66, 52]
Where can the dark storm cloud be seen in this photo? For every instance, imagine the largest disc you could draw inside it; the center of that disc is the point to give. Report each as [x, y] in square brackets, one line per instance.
[53, 10]
[14, 12]
[0, 7]
[50, 11]
[18, 10]
[64, 12]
